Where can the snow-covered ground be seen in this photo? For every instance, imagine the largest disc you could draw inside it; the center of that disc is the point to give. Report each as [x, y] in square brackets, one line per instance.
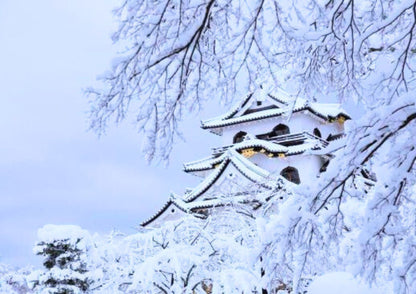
[344, 283]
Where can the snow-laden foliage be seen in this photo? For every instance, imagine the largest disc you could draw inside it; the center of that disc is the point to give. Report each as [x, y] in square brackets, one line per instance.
[188, 256]
[222, 254]
[382, 142]
[349, 222]
[65, 249]
[280, 246]
[345, 222]
[179, 52]
[14, 281]
[342, 283]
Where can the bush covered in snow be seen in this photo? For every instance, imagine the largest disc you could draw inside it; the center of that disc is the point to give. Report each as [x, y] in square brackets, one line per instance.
[65, 249]
[14, 281]
[234, 250]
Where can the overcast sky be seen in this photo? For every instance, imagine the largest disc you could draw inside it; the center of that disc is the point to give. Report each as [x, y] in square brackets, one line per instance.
[52, 170]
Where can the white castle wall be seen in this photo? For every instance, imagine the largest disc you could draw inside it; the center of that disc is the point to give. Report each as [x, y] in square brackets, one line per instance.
[229, 183]
[299, 122]
[308, 166]
[201, 174]
[254, 105]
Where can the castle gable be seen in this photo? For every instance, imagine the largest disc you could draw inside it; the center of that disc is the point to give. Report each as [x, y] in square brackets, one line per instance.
[260, 105]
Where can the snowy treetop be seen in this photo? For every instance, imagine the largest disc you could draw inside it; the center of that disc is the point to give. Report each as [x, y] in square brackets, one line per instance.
[50, 233]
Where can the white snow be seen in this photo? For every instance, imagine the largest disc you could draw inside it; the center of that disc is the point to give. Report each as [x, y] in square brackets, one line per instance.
[343, 283]
[50, 233]
[291, 104]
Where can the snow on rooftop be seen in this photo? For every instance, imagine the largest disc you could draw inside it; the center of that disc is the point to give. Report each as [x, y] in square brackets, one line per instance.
[248, 168]
[328, 109]
[324, 109]
[243, 165]
[292, 104]
[269, 146]
[203, 186]
[173, 200]
[309, 144]
[234, 109]
[221, 201]
[244, 118]
[208, 163]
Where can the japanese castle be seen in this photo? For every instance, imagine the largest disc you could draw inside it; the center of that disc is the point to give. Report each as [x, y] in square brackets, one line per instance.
[269, 141]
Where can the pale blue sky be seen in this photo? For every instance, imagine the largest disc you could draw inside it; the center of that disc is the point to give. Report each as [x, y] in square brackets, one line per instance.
[51, 169]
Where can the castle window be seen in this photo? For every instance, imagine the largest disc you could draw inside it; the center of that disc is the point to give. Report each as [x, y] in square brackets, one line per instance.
[280, 130]
[291, 174]
[324, 166]
[239, 137]
[317, 133]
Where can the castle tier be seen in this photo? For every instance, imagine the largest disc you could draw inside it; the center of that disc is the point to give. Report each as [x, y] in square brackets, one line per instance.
[269, 141]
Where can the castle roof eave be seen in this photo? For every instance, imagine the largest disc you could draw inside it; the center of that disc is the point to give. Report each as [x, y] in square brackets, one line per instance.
[168, 203]
[248, 169]
[245, 167]
[210, 162]
[322, 111]
[217, 125]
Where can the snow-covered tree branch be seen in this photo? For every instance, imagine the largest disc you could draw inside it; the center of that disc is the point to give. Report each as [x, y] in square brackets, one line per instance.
[179, 52]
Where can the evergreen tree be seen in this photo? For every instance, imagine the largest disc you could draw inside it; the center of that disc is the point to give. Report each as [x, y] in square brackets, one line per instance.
[65, 260]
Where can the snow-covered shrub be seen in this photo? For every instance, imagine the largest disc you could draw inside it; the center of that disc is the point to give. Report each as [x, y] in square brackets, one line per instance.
[234, 250]
[13, 281]
[65, 249]
[279, 246]
[6, 285]
[343, 283]
[220, 254]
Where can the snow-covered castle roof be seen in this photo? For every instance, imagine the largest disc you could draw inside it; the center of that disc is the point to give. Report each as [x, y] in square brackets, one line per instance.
[268, 147]
[276, 106]
[246, 169]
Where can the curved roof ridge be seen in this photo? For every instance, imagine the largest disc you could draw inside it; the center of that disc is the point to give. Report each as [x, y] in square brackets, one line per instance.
[157, 213]
[325, 111]
[234, 109]
[250, 170]
[269, 146]
[208, 162]
[244, 166]
[173, 199]
[203, 164]
[207, 182]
